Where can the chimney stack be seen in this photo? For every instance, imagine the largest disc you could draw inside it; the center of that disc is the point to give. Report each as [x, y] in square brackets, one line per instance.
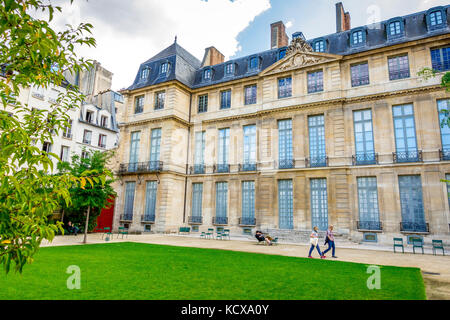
[278, 36]
[343, 22]
[212, 57]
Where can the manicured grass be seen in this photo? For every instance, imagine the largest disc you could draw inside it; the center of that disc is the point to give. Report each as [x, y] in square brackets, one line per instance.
[125, 271]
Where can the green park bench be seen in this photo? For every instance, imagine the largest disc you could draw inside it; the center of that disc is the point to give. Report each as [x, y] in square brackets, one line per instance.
[438, 244]
[184, 230]
[398, 242]
[417, 243]
[122, 231]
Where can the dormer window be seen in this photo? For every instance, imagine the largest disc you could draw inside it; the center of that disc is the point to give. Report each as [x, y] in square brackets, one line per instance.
[395, 28]
[165, 68]
[229, 69]
[89, 116]
[436, 18]
[144, 73]
[281, 54]
[207, 75]
[253, 63]
[298, 35]
[319, 46]
[357, 38]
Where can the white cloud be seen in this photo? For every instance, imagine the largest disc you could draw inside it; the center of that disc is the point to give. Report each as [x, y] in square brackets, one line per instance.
[289, 24]
[130, 32]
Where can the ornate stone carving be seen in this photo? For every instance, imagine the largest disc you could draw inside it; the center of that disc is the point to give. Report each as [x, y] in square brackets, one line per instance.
[300, 60]
[298, 45]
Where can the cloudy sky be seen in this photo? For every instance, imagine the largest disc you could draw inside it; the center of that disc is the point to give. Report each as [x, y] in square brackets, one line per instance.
[129, 32]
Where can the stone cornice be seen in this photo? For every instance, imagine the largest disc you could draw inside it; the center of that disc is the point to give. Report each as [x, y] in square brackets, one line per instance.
[156, 87]
[154, 120]
[323, 58]
[340, 101]
[399, 46]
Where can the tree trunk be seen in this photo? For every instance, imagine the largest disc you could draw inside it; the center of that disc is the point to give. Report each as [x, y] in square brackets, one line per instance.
[86, 225]
[62, 216]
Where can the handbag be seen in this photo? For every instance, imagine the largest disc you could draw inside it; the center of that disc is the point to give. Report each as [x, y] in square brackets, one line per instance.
[314, 241]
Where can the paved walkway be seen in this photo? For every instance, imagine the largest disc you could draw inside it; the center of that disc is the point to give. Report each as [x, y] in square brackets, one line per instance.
[435, 269]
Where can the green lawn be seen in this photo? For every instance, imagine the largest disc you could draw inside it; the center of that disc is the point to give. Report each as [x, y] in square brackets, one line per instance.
[126, 271]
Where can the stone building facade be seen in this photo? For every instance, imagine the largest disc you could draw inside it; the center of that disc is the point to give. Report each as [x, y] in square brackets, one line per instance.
[336, 130]
[92, 126]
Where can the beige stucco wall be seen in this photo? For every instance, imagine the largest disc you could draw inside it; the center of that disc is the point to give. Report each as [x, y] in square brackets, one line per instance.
[337, 103]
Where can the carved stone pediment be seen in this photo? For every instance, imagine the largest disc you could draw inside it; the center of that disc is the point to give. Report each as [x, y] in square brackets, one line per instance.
[299, 55]
[298, 45]
[299, 60]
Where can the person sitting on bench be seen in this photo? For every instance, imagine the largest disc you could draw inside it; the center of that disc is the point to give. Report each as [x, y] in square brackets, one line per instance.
[260, 237]
[72, 228]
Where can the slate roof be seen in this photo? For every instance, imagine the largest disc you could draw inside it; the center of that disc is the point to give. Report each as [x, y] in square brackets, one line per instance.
[415, 28]
[182, 67]
[187, 69]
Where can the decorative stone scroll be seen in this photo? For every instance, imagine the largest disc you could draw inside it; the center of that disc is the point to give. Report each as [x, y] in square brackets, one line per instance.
[298, 45]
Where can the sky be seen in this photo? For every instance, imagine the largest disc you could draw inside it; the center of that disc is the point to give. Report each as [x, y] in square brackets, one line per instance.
[129, 32]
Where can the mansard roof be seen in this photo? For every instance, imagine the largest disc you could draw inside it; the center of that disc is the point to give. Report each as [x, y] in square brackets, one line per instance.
[415, 27]
[187, 69]
[182, 66]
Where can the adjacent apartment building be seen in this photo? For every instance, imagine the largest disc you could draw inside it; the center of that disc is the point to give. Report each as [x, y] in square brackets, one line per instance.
[92, 126]
[337, 130]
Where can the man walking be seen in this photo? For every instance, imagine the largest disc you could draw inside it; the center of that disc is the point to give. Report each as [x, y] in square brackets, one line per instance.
[314, 240]
[330, 240]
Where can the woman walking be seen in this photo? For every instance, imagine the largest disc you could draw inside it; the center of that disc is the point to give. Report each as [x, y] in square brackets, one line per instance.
[314, 240]
[330, 238]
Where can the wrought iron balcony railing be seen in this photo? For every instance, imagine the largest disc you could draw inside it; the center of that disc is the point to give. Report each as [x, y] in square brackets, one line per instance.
[141, 167]
[247, 167]
[370, 225]
[317, 162]
[221, 168]
[126, 217]
[197, 169]
[195, 220]
[220, 221]
[408, 156]
[444, 155]
[362, 159]
[247, 221]
[414, 227]
[286, 164]
[148, 218]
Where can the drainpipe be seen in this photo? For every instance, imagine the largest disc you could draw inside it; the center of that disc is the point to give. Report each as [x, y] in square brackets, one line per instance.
[187, 160]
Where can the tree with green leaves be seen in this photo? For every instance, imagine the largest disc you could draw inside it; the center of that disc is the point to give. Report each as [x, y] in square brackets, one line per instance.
[88, 199]
[33, 54]
[427, 73]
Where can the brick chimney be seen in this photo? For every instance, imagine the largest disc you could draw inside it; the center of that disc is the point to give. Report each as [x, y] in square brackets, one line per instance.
[212, 57]
[278, 36]
[343, 22]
